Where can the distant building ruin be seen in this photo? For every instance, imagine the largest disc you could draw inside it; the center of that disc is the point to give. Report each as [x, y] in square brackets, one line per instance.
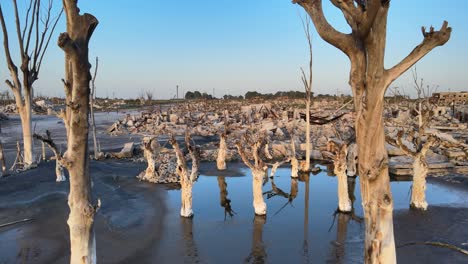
[450, 97]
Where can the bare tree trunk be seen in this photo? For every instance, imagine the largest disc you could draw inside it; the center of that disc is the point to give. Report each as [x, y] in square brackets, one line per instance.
[59, 171]
[151, 149]
[77, 69]
[44, 158]
[369, 80]
[26, 124]
[258, 168]
[221, 159]
[294, 161]
[2, 160]
[418, 193]
[340, 151]
[257, 184]
[97, 154]
[187, 179]
[377, 199]
[308, 146]
[40, 27]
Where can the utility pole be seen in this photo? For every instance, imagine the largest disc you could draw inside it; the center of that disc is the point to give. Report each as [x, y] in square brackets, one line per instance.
[177, 91]
[213, 93]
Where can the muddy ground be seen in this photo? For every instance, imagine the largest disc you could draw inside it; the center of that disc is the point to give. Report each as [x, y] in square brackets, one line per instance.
[132, 221]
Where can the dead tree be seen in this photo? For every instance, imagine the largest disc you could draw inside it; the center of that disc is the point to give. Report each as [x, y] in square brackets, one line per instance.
[221, 159]
[33, 40]
[97, 152]
[258, 168]
[340, 152]
[292, 157]
[151, 150]
[307, 81]
[369, 80]
[187, 178]
[47, 139]
[74, 43]
[2, 160]
[420, 166]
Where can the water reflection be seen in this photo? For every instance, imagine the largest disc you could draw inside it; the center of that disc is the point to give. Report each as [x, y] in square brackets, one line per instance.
[224, 201]
[305, 177]
[276, 191]
[258, 253]
[342, 219]
[190, 247]
[298, 234]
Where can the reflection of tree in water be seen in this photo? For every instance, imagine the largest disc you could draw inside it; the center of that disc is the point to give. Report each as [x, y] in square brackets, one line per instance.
[305, 245]
[223, 200]
[276, 191]
[258, 253]
[190, 249]
[342, 220]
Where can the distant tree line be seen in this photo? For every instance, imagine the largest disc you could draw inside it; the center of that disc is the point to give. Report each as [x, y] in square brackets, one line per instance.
[254, 94]
[288, 94]
[197, 95]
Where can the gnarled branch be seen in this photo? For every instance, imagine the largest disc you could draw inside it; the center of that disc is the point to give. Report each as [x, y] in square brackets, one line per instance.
[431, 40]
[327, 32]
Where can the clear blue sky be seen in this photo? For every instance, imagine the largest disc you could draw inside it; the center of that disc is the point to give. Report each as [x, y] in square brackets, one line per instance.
[235, 46]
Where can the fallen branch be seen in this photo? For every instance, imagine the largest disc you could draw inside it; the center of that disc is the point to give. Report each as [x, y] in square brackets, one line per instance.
[436, 244]
[15, 222]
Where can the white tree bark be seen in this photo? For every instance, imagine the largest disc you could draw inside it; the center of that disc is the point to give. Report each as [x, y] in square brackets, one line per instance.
[257, 142]
[77, 77]
[221, 159]
[257, 184]
[418, 193]
[187, 179]
[340, 164]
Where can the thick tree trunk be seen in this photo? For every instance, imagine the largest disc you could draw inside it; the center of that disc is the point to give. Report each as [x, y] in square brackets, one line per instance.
[75, 45]
[344, 204]
[418, 193]
[187, 179]
[221, 159]
[26, 124]
[340, 151]
[81, 218]
[294, 167]
[186, 197]
[377, 199]
[257, 183]
[151, 148]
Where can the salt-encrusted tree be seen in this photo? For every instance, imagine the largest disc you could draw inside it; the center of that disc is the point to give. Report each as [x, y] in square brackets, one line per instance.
[340, 152]
[74, 43]
[254, 142]
[33, 39]
[369, 80]
[420, 167]
[59, 170]
[187, 178]
[222, 151]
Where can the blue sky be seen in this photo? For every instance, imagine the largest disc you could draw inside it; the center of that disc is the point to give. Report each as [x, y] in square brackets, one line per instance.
[234, 46]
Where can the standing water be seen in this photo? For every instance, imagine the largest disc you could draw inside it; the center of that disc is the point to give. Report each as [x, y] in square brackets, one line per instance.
[301, 225]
